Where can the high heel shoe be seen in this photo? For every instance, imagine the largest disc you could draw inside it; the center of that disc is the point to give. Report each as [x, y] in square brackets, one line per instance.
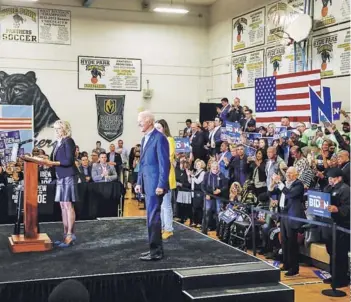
[68, 241]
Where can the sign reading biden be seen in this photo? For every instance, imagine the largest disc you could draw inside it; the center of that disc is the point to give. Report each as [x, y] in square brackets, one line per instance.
[182, 144]
[318, 203]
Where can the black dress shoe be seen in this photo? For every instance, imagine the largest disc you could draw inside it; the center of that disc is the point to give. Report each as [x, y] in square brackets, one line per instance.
[151, 258]
[145, 254]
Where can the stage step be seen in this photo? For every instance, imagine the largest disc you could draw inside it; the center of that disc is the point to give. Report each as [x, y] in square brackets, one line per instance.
[235, 274]
[266, 292]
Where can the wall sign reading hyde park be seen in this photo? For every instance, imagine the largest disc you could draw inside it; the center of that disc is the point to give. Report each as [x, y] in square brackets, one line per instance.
[101, 73]
[32, 25]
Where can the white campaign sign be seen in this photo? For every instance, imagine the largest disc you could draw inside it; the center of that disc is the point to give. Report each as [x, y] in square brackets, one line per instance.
[280, 60]
[19, 24]
[327, 13]
[99, 73]
[247, 67]
[248, 30]
[331, 53]
[54, 26]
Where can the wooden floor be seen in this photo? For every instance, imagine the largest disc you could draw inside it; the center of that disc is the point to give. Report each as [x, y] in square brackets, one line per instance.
[307, 285]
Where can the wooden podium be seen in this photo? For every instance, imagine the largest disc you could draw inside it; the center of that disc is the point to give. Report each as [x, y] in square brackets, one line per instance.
[31, 241]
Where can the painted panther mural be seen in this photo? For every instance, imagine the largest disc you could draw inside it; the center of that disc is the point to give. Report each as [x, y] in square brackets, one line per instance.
[22, 89]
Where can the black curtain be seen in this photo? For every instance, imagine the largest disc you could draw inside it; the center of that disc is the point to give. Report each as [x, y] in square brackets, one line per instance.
[208, 111]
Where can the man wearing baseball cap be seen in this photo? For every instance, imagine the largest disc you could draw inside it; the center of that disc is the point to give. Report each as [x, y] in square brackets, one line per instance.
[340, 214]
[346, 128]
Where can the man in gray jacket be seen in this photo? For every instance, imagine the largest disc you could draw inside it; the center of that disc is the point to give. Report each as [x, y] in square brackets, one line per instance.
[102, 171]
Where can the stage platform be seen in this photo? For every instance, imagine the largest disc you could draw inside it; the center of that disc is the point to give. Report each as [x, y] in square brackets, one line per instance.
[105, 258]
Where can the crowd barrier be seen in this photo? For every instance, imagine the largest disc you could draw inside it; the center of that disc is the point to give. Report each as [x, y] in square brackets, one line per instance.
[255, 209]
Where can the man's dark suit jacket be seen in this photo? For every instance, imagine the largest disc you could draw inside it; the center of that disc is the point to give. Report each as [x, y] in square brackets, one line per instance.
[198, 142]
[65, 154]
[294, 202]
[82, 175]
[118, 159]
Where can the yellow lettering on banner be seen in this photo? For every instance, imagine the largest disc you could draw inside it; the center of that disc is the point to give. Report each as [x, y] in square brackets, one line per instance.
[241, 85]
[95, 86]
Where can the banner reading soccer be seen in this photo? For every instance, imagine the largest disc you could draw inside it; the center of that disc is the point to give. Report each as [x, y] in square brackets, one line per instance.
[279, 15]
[19, 24]
[248, 30]
[247, 67]
[327, 13]
[331, 53]
[110, 109]
[99, 73]
[54, 26]
[280, 60]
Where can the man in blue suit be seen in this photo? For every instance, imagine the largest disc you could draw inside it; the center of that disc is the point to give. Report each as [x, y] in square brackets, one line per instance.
[153, 180]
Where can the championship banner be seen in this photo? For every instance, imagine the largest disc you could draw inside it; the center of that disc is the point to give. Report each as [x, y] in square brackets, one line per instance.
[331, 53]
[318, 203]
[19, 24]
[101, 73]
[54, 26]
[246, 68]
[279, 15]
[248, 30]
[328, 13]
[281, 60]
[110, 114]
[182, 144]
[30, 25]
[16, 131]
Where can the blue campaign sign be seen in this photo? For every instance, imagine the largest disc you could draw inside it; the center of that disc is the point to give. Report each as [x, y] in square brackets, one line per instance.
[336, 111]
[318, 203]
[321, 109]
[232, 127]
[182, 144]
[280, 132]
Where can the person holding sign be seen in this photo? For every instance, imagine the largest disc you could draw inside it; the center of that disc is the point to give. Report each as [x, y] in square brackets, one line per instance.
[63, 158]
[340, 213]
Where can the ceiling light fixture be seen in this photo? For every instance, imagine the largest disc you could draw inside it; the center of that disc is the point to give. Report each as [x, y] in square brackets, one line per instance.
[171, 10]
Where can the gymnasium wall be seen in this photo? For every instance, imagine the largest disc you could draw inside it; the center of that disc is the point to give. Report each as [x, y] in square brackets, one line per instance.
[173, 50]
[220, 53]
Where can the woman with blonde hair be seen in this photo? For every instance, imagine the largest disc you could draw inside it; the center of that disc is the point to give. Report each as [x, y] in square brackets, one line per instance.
[196, 180]
[63, 159]
[166, 206]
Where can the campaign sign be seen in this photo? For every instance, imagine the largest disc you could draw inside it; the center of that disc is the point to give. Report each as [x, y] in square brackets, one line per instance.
[223, 134]
[232, 127]
[233, 136]
[10, 137]
[318, 203]
[280, 132]
[2, 144]
[252, 136]
[182, 144]
[249, 151]
[227, 216]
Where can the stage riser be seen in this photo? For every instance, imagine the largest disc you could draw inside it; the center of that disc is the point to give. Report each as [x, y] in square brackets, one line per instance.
[280, 296]
[230, 279]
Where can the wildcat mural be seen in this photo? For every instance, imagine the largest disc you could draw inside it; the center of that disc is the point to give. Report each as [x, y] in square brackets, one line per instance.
[22, 89]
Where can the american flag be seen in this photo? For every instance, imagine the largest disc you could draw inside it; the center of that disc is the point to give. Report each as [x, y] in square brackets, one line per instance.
[16, 118]
[285, 95]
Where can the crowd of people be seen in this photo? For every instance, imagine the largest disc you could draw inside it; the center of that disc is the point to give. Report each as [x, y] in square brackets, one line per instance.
[277, 178]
